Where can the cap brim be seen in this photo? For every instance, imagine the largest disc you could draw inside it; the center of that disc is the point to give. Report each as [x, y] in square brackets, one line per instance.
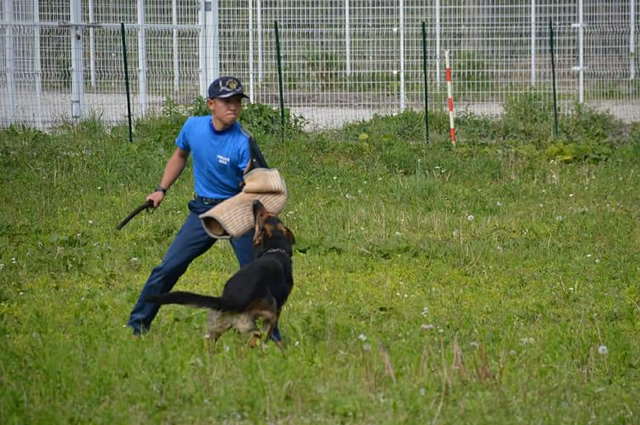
[231, 94]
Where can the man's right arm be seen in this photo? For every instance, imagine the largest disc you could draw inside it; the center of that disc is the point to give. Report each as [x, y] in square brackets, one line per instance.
[172, 171]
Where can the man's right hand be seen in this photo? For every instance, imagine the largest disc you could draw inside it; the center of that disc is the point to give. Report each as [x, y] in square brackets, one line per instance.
[156, 197]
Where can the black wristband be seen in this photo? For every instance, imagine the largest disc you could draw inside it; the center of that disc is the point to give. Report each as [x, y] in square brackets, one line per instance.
[159, 188]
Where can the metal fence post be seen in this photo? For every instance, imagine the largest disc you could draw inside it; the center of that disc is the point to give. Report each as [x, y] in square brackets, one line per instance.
[553, 79]
[632, 36]
[438, 43]
[402, 86]
[280, 85]
[92, 46]
[213, 33]
[251, 50]
[425, 72]
[176, 68]
[580, 67]
[203, 51]
[77, 66]
[259, 24]
[142, 59]
[347, 35]
[209, 43]
[533, 42]
[126, 78]
[9, 59]
[37, 66]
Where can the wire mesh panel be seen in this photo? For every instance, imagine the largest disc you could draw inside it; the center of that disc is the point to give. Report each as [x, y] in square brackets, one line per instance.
[342, 60]
[611, 82]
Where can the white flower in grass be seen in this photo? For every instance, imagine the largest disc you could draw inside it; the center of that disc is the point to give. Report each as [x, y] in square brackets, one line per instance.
[422, 392]
[499, 203]
[362, 337]
[425, 311]
[474, 344]
[1, 266]
[14, 260]
[603, 349]
[527, 341]
[470, 217]
[559, 218]
[426, 326]
[571, 195]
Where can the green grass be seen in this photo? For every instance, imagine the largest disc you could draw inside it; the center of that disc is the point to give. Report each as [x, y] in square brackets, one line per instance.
[433, 285]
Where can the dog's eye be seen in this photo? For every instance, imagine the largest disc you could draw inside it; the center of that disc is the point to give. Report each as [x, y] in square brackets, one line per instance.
[268, 230]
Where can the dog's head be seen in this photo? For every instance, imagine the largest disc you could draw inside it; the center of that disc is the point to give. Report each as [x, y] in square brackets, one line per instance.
[270, 233]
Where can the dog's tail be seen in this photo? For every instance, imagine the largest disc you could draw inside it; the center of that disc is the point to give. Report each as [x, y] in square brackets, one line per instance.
[187, 298]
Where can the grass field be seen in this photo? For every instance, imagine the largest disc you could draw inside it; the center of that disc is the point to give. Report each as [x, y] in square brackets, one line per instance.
[494, 282]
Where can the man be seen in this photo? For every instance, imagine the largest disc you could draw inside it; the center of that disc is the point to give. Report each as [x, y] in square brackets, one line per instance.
[222, 152]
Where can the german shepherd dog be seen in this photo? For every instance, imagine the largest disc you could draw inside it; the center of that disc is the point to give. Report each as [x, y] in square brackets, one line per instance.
[258, 290]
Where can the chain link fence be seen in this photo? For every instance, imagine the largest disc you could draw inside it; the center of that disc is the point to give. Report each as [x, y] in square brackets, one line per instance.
[342, 60]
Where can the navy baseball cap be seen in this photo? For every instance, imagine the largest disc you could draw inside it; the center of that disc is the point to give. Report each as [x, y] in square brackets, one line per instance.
[224, 87]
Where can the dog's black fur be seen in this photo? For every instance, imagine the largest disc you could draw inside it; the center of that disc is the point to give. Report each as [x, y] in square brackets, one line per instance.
[258, 290]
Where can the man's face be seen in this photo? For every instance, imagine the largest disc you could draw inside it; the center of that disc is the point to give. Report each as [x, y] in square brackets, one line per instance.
[225, 111]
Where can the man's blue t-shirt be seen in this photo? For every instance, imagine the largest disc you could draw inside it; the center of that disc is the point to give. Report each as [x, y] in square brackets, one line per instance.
[219, 157]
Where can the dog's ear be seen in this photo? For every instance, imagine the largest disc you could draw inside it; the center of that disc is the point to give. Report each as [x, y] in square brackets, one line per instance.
[259, 212]
[258, 208]
[290, 237]
[257, 231]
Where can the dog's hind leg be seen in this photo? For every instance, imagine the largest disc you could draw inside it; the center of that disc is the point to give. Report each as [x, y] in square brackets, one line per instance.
[266, 309]
[217, 324]
[269, 320]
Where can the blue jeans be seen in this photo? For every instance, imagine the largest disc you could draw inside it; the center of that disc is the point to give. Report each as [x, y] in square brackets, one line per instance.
[190, 242]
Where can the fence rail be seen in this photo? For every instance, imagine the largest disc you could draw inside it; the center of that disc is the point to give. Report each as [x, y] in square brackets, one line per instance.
[342, 60]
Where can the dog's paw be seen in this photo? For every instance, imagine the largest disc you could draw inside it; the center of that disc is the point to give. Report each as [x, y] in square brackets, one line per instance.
[254, 341]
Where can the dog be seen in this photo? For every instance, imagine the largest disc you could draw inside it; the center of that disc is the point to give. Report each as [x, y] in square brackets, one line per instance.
[258, 290]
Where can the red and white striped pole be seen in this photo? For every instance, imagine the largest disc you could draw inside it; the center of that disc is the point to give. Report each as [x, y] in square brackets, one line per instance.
[450, 95]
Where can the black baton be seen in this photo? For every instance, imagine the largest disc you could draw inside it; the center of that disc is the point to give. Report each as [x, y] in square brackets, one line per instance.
[146, 205]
